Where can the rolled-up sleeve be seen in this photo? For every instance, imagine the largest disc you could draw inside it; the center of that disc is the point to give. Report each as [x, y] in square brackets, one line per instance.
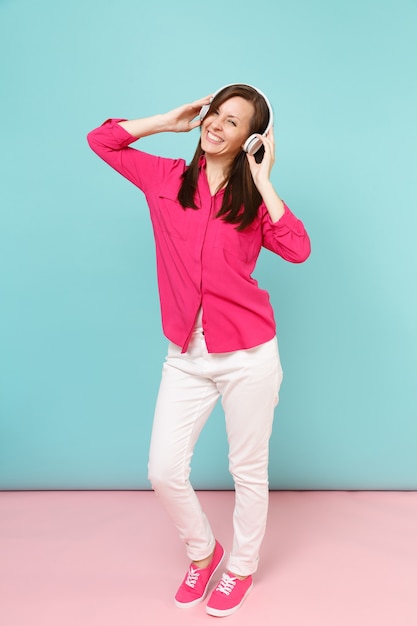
[111, 142]
[286, 237]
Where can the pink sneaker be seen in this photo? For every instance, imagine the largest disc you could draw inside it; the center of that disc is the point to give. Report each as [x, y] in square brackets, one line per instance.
[228, 595]
[194, 587]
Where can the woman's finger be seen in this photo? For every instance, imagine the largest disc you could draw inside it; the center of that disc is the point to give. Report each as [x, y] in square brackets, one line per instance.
[194, 123]
[270, 136]
[201, 101]
[267, 143]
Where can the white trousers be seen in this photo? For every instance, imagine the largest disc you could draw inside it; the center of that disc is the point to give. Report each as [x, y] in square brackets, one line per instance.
[248, 383]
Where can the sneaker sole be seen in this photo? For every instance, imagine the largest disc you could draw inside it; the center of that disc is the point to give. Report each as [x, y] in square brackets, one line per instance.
[226, 612]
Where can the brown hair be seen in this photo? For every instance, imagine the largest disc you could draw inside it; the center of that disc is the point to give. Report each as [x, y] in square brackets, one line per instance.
[241, 198]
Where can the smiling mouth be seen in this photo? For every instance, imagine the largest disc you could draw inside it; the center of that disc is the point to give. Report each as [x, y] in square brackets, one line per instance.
[213, 138]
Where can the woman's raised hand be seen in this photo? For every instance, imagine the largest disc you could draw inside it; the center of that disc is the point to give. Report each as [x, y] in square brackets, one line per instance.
[261, 177]
[261, 171]
[183, 118]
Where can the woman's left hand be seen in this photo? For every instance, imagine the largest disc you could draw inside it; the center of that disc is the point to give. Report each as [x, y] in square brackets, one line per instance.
[261, 171]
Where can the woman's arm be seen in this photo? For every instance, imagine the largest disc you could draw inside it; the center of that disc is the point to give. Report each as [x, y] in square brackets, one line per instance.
[282, 232]
[179, 120]
[111, 142]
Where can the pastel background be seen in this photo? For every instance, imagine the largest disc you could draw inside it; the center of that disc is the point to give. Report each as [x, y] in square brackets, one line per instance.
[81, 345]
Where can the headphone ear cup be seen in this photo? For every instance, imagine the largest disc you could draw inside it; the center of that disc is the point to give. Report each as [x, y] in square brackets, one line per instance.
[203, 111]
[252, 144]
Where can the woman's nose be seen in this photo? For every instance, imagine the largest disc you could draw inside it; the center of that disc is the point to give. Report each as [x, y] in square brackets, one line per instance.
[217, 122]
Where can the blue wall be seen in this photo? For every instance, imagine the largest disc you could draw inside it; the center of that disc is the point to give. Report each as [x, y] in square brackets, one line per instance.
[80, 339]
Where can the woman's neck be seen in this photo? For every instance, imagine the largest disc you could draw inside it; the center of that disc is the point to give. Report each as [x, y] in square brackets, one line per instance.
[217, 172]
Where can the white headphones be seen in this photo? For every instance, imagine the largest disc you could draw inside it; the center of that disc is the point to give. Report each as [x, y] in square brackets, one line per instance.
[252, 143]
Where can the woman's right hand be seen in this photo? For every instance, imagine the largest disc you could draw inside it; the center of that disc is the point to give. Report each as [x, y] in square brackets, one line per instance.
[183, 118]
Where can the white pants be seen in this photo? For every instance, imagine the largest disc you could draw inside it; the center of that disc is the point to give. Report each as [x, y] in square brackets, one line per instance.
[248, 382]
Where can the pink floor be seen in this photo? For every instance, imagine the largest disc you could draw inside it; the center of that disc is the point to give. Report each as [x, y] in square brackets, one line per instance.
[112, 558]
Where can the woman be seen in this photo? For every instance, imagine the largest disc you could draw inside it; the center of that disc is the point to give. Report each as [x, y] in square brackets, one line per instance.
[210, 220]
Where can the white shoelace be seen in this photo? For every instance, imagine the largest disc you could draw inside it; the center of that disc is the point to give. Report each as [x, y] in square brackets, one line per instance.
[192, 577]
[226, 585]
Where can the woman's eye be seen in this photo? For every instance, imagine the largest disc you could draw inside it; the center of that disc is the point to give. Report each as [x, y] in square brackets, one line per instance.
[232, 122]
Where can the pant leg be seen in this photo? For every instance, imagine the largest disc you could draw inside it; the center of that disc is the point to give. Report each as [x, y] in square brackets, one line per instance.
[249, 397]
[185, 400]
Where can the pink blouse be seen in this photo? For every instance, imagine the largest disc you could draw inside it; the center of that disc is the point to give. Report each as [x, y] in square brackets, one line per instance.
[203, 261]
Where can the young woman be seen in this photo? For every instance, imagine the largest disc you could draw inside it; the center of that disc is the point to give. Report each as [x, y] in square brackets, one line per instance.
[210, 220]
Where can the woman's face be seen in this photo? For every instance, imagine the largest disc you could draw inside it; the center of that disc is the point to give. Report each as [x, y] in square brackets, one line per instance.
[225, 130]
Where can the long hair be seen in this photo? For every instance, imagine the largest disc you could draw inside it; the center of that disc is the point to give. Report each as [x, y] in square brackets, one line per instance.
[241, 198]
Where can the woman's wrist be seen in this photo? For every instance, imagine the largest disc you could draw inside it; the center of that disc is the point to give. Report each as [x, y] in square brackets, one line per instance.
[272, 201]
[265, 187]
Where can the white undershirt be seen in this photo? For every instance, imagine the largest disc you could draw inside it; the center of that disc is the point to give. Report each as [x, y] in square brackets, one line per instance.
[199, 318]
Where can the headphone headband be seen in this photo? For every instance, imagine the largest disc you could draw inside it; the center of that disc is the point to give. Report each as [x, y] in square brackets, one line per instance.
[253, 143]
